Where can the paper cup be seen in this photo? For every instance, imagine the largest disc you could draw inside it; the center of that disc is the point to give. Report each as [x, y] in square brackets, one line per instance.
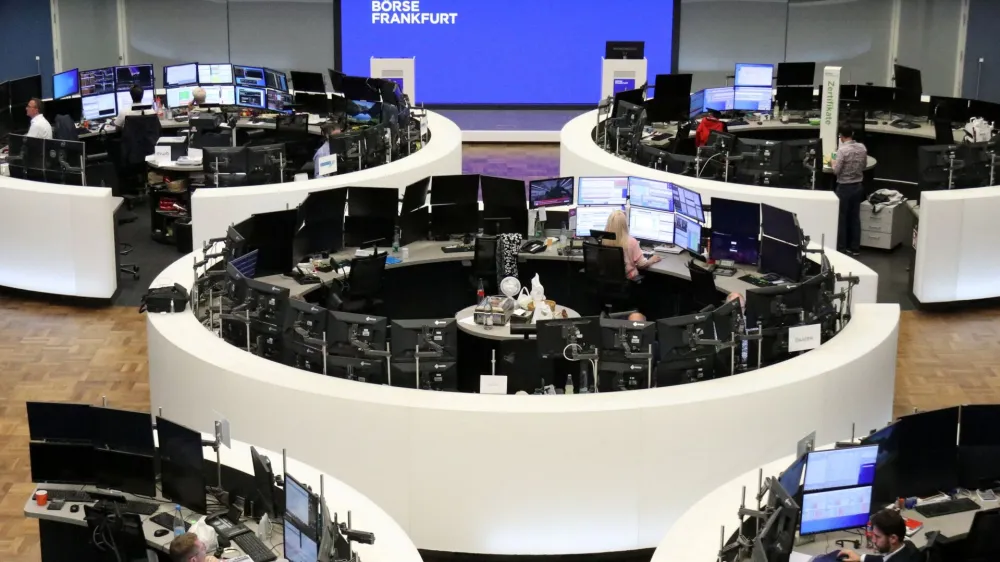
[41, 497]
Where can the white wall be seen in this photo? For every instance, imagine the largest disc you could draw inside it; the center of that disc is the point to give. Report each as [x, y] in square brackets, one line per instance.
[87, 34]
[931, 39]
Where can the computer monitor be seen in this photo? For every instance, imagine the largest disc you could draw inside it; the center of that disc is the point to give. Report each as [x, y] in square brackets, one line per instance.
[840, 468]
[123, 98]
[60, 422]
[180, 75]
[791, 478]
[361, 369]
[782, 258]
[651, 194]
[637, 335]
[454, 189]
[435, 374]
[554, 335]
[180, 96]
[506, 193]
[61, 463]
[735, 217]
[298, 545]
[301, 506]
[263, 477]
[625, 100]
[955, 110]
[739, 248]
[429, 335]
[97, 81]
[795, 98]
[773, 307]
[66, 84]
[122, 430]
[602, 190]
[253, 98]
[73, 107]
[624, 49]
[181, 465]
[697, 106]
[760, 155]
[671, 100]
[415, 196]
[835, 510]
[989, 111]
[651, 225]
[979, 446]
[249, 76]
[750, 98]
[279, 101]
[453, 219]
[753, 74]
[275, 80]
[593, 218]
[309, 317]
[719, 99]
[270, 301]
[875, 98]
[264, 163]
[220, 73]
[224, 160]
[688, 203]
[779, 224]
[100, 106]
[907, 79]
[132, 473]
[347, 333]
[552, 192]
[687, 234]
[134, 75]
[220, 95]
[796, 74]
[307, 81]
[678, 336]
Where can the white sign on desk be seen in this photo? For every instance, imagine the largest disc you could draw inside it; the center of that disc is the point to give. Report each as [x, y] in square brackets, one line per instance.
[492, 384]
[162, 154]
[327, 165]
[423, 126]
[803, 338]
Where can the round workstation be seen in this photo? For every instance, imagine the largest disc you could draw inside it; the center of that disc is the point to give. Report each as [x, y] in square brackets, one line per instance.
[512, 474]
[123, 486]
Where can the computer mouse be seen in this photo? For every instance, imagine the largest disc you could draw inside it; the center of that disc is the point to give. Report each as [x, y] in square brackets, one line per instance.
[160, 532]
[74, 508]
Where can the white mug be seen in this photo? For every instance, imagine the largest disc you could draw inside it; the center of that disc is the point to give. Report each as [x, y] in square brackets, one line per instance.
[406, 253]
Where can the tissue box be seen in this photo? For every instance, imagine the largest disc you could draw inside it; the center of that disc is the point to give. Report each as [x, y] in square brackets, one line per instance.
[498, 307]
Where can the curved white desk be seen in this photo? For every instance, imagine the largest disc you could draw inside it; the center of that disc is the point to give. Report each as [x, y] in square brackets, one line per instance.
[580, 156]
[957, 257]
[58, 239]
[213, 210]
[527, 474]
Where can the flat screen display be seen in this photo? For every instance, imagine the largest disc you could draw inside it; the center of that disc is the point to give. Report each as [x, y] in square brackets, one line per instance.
[754, 74]
[220, 95]
[562, 65]
[252, 76]
[180, 97]
[66, 84]
[101, 106]
[687, 234]
[134, 75]
[97, 81]
[550, 192]
[275, 80]
[719, 99]
[741, 249]
[651, 194]
[593, 218]
[124, 99]
[250, 97]
[299, 547]
[215, 73]
[752, 98]
[840, 468]
[602, 191]
[835, 510]
[180, 74]
[651, 225]
[688, 203]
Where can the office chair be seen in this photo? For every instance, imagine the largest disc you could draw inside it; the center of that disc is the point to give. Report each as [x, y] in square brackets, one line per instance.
[683, 133]
[604, 273]
[117, 537]
[484, 264]
[139, 136]
[942, 132]
[364, 284]
[703, 289]
[983, 541]
[130, 268]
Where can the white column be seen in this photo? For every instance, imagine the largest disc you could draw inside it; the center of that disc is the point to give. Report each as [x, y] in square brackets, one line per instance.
[400, 71]
[830, 109]
[618, 75]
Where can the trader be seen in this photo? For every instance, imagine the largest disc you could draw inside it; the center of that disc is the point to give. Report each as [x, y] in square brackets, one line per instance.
[135, 108]
[889, 537]
[189, 548]
[849, 167]
[332, 127]
[708, 123]
[198, 96]
[40, 127]
[634, 260]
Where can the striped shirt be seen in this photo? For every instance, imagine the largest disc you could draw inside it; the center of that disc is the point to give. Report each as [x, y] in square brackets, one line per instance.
[849, 165]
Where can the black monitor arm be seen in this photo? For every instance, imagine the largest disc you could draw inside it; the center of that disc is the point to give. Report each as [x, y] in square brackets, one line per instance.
[576, 351]
[306, 338]
[693, 336]
[352, 337]
[623, 341]
[437, 349]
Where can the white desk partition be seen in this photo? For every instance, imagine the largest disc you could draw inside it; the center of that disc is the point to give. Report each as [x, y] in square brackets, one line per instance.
[400, 71]
[580, 156]
[957, 258]
[621, 74]
[213, 210]
[57, 239]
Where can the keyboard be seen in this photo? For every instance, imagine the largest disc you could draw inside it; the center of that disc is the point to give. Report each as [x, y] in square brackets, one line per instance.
[904, 125]
[141, 508]
[68, 495]
[755, 281]
[456, 248]
[258, 551]
[948, 507]
[166, 520]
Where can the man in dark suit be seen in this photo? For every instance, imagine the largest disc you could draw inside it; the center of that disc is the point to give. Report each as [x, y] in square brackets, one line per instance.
[889, 538]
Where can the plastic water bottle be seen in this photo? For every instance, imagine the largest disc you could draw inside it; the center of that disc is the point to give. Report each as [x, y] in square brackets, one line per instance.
[569, 384]
[563, 235]
[178, 522]
[395, 243]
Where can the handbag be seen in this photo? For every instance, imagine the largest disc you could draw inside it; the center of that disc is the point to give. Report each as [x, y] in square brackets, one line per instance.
[173, 298]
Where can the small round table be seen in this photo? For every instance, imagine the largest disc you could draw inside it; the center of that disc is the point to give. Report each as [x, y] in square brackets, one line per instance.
[499, 333]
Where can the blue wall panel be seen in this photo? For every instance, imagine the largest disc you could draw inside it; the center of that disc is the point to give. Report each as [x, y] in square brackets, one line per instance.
[26, 32]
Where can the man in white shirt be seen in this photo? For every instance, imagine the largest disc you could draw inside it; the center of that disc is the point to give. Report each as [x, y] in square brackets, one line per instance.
[40, 127]
[135, 108]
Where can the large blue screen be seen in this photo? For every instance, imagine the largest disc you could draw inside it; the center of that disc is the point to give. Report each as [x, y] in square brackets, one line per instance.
[510, 52]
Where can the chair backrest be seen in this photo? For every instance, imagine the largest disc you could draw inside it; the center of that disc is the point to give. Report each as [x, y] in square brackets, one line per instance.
[983, 540]
[484, 262]
[365, 278]
[139, 136]
[942, 132]
[65, 129]
[683, 132]
[703, 284]
[604, 265]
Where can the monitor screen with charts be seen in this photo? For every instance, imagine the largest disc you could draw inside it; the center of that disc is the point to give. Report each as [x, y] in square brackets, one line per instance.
[602, 191]
[180, 97]
[752, 99]
[719, 99]
[835, 510]
[754, 74]
[215, 74]
[297, 501]
[687, 234]
[124, 99]
[276, 80]
[220, 95]
[688, 203]
[651, 225]
[180, 75]
[250, 97]
[651, 194]
[134, 75]
[697, 104]
[97, 81]
[593, 218]
[840, 468]
[299, 547]
[102, 106]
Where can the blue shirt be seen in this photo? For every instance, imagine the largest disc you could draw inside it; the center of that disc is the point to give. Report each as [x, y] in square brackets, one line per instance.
[323, 151]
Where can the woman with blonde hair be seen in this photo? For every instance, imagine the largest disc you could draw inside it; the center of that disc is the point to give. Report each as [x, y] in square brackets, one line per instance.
[634, 260]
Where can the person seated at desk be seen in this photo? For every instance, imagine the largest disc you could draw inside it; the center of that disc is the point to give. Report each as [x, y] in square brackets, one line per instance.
[135, 108]
[332, 127]
[634, 260]
[189, 548]
[40, 127]
[708, 123]
[889, 538]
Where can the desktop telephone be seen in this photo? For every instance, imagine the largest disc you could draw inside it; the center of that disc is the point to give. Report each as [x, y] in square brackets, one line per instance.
[533, 247]
[724, 268]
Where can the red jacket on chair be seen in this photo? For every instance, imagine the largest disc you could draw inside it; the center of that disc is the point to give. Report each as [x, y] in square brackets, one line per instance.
[705, 127]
